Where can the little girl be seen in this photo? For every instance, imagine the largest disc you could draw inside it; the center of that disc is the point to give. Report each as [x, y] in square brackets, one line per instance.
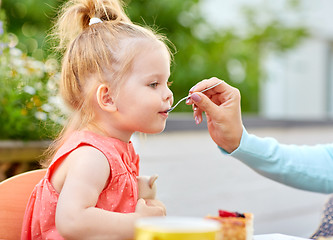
[115, 81]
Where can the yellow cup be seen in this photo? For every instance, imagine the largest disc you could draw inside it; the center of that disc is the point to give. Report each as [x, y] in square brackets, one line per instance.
[176, 228]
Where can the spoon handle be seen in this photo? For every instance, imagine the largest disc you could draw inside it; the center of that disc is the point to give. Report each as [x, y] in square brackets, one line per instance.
[184, 98]
[206, 89]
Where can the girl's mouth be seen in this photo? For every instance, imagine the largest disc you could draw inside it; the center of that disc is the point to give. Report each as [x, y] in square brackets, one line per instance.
[164, 113]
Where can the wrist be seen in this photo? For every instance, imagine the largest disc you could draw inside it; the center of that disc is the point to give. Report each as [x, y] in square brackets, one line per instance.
[230, 147]
[232, 142]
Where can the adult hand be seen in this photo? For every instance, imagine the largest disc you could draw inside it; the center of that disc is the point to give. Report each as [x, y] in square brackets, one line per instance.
[222, 107]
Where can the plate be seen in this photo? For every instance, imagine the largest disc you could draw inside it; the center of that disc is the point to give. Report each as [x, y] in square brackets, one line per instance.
[276, 236]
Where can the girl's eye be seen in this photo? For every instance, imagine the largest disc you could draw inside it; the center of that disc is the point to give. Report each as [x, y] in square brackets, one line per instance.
[153, 85]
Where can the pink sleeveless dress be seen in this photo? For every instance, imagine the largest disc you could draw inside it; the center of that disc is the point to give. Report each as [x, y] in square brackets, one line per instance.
[120, 195]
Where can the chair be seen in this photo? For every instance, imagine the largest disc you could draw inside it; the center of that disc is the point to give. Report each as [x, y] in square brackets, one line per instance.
[14, 195]
[325, 228]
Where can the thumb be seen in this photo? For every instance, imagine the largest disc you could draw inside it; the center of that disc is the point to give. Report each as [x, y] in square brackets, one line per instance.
[141, 201]
[204, 103]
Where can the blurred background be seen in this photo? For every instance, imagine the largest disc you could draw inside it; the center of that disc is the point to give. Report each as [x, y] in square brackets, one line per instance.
[228, 39]
[278, 53]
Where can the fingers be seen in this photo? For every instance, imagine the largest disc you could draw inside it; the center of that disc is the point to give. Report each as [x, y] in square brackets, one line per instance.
[210, 100]
[141, 202]
[150, 207]
[156, 203]
[197, 114]
[204, 104]
[204, 84]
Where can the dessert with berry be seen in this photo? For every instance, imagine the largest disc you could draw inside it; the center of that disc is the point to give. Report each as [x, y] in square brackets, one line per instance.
[235, 225]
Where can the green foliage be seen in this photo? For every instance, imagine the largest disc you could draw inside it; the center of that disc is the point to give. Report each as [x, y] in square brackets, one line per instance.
[203, 51]
[27, 103]
[30, 20]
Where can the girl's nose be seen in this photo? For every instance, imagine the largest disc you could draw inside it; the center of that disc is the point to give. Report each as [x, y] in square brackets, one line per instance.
[169, 95]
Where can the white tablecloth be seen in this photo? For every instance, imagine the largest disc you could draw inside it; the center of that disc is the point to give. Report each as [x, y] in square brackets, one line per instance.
[276, 236]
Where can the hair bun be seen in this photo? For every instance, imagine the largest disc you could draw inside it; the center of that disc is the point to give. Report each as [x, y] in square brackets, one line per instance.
[76, 15]
[107, 10]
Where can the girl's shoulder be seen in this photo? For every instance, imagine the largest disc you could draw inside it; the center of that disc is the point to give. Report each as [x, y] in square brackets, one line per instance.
[78, 138]
[100, 141]
[80, 143]
[107, 145]
[120, 155]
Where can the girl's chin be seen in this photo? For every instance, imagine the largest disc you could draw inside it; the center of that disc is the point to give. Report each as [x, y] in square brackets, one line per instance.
[154, 130]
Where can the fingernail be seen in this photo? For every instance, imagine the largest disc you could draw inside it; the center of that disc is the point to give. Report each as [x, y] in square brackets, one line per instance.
[196, 97]
[196, 120]
[188, 101]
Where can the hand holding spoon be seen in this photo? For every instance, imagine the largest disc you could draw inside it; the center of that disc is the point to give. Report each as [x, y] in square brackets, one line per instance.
[184, 98]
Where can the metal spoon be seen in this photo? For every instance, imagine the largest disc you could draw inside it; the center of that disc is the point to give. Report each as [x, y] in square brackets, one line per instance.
[184, 98]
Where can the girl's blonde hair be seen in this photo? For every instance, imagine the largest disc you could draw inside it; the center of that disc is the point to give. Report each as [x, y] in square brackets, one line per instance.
[92, 55]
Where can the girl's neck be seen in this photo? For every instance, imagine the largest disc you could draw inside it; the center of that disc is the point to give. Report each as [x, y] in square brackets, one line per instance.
[114, 133]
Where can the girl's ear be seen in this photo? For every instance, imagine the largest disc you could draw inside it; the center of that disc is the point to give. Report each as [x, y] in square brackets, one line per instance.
[104, 98]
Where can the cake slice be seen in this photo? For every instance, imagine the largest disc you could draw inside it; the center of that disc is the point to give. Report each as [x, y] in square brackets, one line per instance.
[234, 225]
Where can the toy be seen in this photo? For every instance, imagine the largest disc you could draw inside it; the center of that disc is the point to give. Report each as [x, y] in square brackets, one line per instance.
[147, 187]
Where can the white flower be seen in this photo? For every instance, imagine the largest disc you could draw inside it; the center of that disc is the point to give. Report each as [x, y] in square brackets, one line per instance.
[30, 90]
[36, 67]
[41, 116]
[58, 103]
[47, 107]
[55, 100]
[51, 65]
[15, 52]
[52, 83]
[57, 119]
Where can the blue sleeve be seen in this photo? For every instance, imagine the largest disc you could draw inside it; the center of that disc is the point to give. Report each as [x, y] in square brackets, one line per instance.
[304, 167]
